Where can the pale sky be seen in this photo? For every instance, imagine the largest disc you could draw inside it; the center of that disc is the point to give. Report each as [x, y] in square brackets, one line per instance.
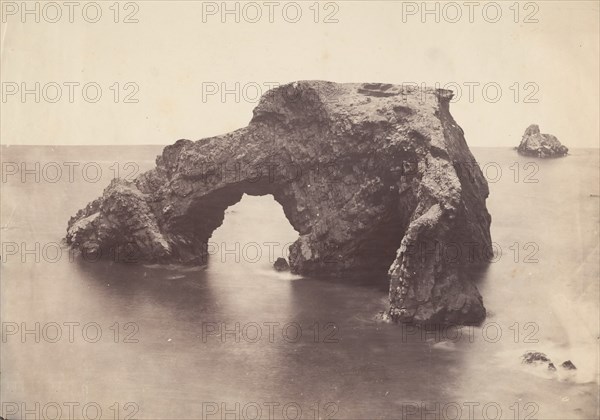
[172, 55]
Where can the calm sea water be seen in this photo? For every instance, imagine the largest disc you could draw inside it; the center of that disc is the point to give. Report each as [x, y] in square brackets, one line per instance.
[237, 337]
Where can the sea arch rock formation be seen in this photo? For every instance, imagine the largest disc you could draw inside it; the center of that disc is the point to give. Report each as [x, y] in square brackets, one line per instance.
[377, 179]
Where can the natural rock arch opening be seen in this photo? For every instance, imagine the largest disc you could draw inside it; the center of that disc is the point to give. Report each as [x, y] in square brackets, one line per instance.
[255, 230]
[329, 244]
[368, 174]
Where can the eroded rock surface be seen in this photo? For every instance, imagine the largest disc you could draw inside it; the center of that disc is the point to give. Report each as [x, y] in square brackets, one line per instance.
[372, 176]
[540, 145]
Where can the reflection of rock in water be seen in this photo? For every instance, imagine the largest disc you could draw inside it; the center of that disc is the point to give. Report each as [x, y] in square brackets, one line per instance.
[367, 174]
[540, 145]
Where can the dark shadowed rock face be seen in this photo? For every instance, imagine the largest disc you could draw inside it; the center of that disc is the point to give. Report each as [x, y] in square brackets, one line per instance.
[281, 264]
[540, 145]
[372, 177]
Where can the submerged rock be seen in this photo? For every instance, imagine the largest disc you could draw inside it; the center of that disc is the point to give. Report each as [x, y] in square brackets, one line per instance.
[368, 174]
[537, 358]
[281, 264]
[540, 145]
[532, 357]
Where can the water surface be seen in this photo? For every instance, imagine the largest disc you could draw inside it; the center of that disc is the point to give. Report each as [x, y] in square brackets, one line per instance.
[170, 362]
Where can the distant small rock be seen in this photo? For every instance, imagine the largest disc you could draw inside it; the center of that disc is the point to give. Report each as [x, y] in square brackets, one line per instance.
[540, 145]
[539, 358]
[535, 356]
[281, 264]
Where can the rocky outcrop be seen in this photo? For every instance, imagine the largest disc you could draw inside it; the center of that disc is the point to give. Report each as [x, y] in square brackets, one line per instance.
[377, 179]
[537, 358]
[281, 264]
[540, 145]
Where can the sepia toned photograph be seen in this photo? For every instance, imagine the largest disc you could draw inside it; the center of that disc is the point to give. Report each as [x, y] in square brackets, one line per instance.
[311, 209]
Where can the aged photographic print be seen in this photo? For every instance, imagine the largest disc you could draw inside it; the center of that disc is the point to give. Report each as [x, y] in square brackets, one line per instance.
[244, 210]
